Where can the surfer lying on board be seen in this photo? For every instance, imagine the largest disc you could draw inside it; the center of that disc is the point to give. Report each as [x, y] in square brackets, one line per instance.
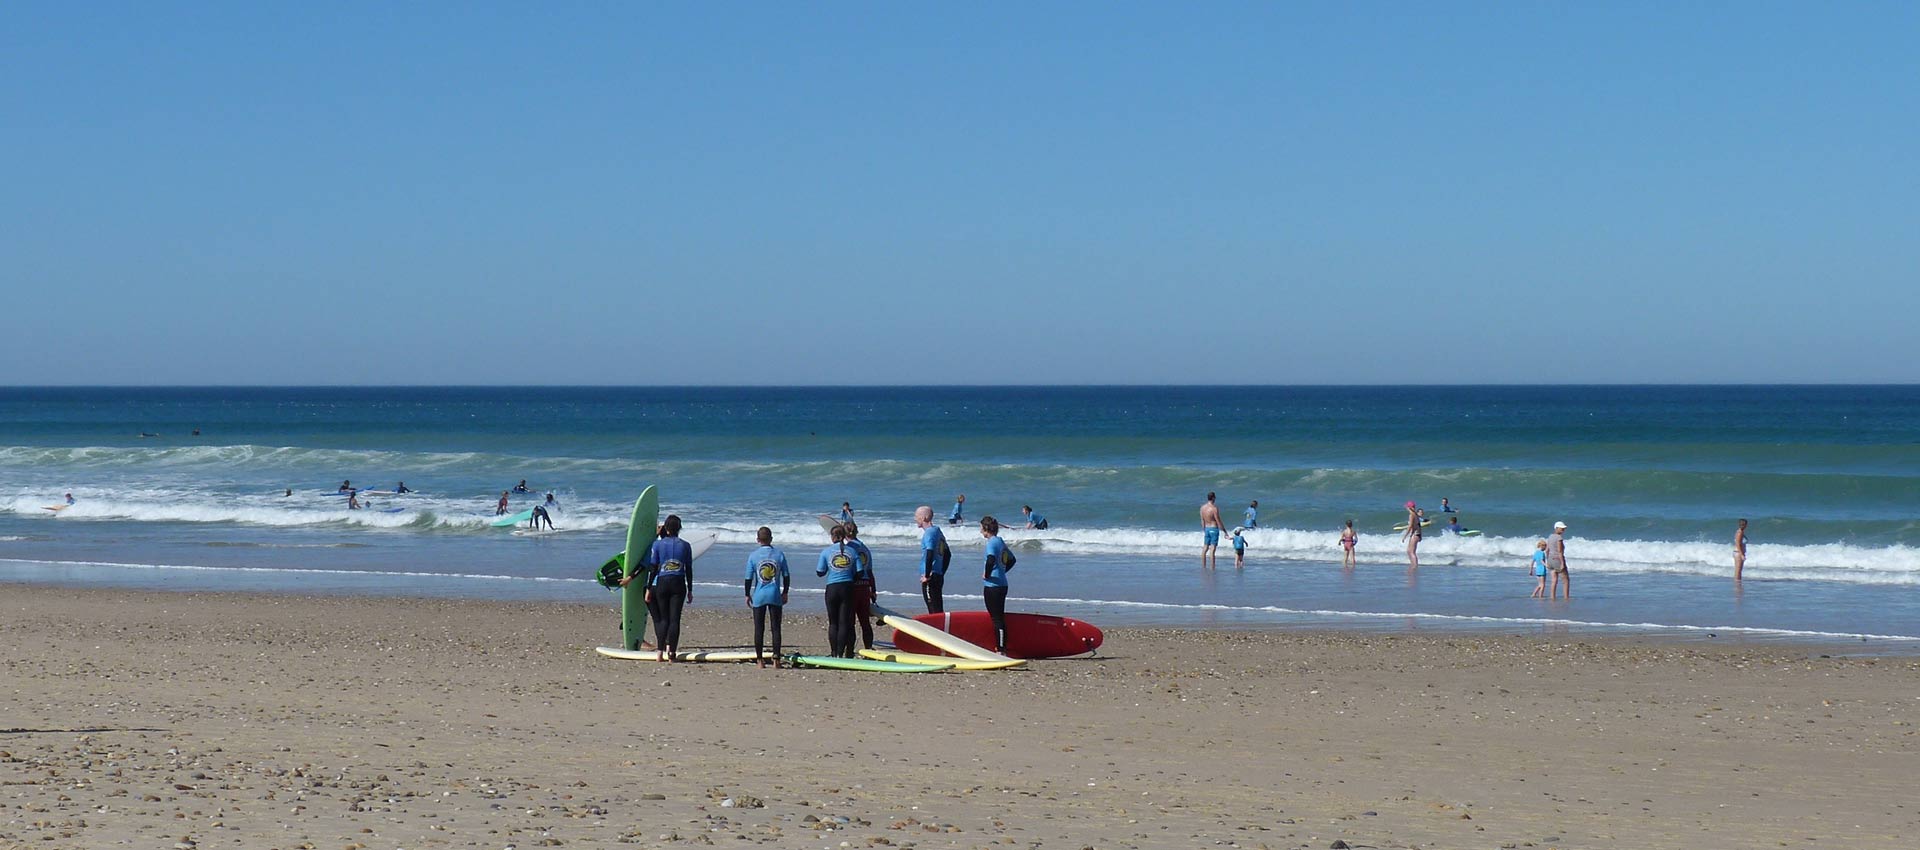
[768, 583]
[993, 577]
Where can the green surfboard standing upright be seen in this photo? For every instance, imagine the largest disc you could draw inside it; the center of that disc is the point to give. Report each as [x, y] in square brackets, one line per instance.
[633, 597]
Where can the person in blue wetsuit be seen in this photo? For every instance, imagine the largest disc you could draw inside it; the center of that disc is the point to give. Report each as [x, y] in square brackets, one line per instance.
[934, 557]
[521, 487]
[1239, 548]
[671, 588]
[993, 576]
[846, 512]
[1453, 526]
[1034, 520]
[1253, 514]
[768, 583]
[841, 565]
[403, 489]
[863, 585]
[959, 503]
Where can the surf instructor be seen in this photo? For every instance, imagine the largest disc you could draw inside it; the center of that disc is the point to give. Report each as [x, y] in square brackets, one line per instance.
[993, 577]
[1210, 528]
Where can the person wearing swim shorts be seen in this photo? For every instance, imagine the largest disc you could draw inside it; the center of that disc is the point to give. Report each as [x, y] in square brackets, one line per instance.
[767, 586]
[1210, 528]
[934, 558]
[1348, 539]
[1557, 560]
[993, 577]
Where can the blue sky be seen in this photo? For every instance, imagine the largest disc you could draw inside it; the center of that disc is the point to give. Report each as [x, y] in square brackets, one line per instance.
[963, 193]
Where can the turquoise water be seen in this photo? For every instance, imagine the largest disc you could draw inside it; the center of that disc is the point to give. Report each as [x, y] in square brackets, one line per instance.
[1651, 480]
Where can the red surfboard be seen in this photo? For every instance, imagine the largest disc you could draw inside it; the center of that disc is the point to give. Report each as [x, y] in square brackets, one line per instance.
[1028, 635]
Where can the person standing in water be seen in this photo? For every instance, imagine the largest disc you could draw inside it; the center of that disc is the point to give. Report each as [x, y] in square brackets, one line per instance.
[1539, 570]
[1557, 560]
[1739, 549]
[1239, 549]
[1253, 514]
[500, 509]
[1210, 528]
[1348, 539]
[846, 512]
[959, 504]
[863, 585]
[521, 487]
[402, 489]
[768, 583]
[1412, 536]
[934, 557]
[994, 578]
[671, 588]
[840, 565]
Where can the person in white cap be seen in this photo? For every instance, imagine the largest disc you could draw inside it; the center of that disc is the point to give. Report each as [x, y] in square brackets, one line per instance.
[1557, 560]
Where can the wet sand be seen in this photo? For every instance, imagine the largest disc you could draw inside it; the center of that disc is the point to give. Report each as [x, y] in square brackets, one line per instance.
[231, 720]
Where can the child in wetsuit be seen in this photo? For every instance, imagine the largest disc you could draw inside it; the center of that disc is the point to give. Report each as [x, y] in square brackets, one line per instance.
[1239, 548]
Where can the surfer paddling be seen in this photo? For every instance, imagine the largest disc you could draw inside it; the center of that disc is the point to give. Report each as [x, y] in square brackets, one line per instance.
[768, 583]
[1210, 529]
[934, 557]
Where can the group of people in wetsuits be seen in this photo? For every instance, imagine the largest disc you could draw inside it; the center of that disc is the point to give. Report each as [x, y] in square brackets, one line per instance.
[846, 564]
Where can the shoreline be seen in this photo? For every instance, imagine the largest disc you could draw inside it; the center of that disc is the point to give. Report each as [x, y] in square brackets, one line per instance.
[265, 720]
[1545, 626]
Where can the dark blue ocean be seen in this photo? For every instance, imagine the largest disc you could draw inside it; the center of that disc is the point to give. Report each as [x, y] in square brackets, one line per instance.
[1650, 479]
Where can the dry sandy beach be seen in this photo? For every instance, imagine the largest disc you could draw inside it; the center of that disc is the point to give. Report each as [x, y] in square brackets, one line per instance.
[200, 720]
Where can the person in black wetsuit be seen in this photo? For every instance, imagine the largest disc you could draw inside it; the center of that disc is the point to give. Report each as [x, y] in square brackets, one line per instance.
[671, 561]
[840, 564]
[994, 578]
[934, 557]
[864, 593]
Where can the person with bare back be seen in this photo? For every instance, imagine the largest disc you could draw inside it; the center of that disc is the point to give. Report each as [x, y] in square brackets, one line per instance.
[1210, 528]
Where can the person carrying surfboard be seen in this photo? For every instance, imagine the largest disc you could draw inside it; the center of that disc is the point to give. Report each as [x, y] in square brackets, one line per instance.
[669, 590]
[993, 577]
[934, 557]
[768, 583]
[863, 584]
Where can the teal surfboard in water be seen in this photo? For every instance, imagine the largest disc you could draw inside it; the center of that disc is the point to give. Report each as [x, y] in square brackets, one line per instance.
[513, 519]
[633, 598]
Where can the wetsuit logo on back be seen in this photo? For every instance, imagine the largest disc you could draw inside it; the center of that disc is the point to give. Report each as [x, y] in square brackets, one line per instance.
[768, 572]
[840, 561]
[672, 568]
